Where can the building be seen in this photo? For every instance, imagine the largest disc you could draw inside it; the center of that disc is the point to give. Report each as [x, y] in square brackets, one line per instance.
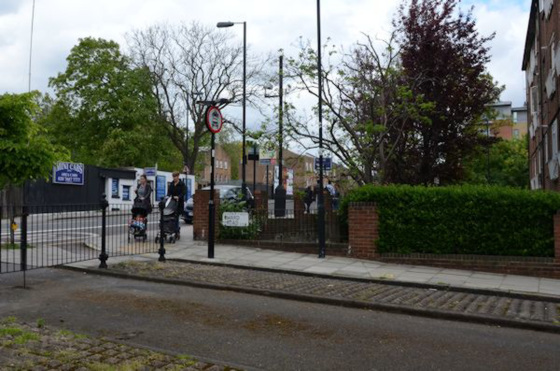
[222, 167]
[541, 63]
[514, 117]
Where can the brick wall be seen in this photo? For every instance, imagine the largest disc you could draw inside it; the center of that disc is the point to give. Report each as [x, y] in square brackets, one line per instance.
[363, 223]
[261, 200]
[200, 218]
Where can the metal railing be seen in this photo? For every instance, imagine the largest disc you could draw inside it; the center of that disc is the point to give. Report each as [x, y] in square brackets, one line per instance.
[44, 236]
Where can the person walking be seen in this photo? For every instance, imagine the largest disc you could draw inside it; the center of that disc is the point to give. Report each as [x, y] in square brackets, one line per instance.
[144, 193]
[308, 199]
[177, 190]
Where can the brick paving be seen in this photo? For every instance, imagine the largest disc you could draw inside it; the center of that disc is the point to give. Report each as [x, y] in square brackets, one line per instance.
[37, 347]
[523, 309]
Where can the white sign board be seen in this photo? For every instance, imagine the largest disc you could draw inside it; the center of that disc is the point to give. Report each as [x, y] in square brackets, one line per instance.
[232, 219]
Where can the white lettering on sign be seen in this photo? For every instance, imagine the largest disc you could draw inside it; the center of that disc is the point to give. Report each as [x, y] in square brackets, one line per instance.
[235, 219]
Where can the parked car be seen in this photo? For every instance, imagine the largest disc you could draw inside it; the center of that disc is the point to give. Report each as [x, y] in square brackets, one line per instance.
[227, 192]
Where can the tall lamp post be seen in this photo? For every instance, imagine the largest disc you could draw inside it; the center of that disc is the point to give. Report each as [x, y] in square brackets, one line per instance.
[230, 24]
[320, 199]
[187, 170]
[280, 191]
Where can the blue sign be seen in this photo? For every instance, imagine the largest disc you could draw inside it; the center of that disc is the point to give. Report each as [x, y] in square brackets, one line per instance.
[327, 163]
[68, 173]
[161, 182]
[126, 193]
[114, 187]
[150, 171]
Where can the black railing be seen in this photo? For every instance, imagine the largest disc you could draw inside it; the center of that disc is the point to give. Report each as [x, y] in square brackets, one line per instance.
[295, 226]
[44, 236]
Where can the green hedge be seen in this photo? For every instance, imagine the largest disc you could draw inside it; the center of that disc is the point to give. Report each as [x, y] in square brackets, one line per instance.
[462, 220]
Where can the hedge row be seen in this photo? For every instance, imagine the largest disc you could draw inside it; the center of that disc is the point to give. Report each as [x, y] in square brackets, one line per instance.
[462, 220]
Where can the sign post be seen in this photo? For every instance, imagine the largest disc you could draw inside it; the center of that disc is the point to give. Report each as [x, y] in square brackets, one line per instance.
[214, 121]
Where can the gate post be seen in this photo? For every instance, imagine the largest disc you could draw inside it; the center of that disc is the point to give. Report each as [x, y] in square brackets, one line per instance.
[161, 235]
[103, 256]
[23, 247]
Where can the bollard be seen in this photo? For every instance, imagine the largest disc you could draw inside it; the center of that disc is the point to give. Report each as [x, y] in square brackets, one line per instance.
[23, 247]
[161, 235]
[103, 256]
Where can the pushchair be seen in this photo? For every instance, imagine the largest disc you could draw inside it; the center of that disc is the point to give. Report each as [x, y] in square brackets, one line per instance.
[168, 224]
[138, 225]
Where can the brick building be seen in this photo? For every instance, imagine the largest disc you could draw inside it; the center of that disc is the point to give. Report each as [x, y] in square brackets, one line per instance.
[222, 167]
[514, 117]
[541, 63]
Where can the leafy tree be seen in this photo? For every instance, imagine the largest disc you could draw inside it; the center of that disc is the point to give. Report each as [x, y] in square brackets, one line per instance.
[105, 112]
[442, 51]
[503, 163]
[189, 63]
[368, 104]
[25, 150]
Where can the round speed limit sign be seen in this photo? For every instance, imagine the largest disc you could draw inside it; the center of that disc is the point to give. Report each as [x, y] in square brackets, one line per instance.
[214, 119]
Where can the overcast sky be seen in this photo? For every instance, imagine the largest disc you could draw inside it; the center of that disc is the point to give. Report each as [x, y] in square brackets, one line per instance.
[271, 25]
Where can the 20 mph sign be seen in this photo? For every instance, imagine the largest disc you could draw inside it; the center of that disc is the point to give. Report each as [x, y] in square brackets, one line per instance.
[214, 119]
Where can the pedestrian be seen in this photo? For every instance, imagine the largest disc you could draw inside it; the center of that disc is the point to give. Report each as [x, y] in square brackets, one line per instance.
[177, 190]
[144, 193]
[334, 198]
[308, 198]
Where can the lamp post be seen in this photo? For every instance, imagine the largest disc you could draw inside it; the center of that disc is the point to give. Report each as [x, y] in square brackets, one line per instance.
[230, 24]
[187, 170]
[321, 199]
[280, 191]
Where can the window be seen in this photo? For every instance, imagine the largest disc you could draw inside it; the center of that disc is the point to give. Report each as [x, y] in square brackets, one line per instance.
[225, 165]
[516, 133]
[114, 188]
[515, 117]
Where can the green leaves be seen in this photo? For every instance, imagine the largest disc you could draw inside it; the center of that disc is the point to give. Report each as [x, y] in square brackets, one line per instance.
[25, 151]
[462, 220]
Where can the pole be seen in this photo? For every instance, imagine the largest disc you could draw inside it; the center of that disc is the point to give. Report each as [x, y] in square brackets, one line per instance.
[267, 182]
[243, 174]
[280, 196]
[211, 206]
[103, 256]
[161, 251]
[487, 152]
[321, 199]
[31, 45]
[254, 168]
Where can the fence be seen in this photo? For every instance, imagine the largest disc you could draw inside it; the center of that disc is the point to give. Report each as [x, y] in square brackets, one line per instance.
[43, 236]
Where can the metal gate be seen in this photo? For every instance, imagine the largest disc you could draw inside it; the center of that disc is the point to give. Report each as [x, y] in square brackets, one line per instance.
[44, 236]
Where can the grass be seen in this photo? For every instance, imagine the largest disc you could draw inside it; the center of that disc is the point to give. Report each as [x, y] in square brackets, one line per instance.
[14, 246]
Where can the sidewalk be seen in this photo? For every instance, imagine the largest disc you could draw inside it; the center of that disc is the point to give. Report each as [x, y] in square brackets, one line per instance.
[197, 251]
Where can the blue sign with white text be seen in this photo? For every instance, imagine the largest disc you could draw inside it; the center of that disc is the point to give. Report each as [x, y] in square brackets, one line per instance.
[68, 173]
[327, 163]
[160, 187]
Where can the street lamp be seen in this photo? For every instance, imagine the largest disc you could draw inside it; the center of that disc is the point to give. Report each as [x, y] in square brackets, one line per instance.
[187, 170]
[320, 199]
[230, 24]
[280, 191]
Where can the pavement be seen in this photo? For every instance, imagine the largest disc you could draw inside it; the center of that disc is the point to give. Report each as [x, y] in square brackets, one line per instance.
[500, 299]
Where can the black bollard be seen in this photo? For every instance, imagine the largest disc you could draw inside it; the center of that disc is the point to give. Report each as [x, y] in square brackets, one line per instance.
[103, 256]
[161, 235]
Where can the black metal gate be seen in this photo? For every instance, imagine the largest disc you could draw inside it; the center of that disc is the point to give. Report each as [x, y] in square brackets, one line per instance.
[44, 236]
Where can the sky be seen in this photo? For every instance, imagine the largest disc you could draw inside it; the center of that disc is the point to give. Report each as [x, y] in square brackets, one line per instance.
[271, 25]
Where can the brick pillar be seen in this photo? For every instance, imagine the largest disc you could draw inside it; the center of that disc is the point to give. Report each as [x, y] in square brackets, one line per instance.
[200, 217]
[557, 238]
[328, 201]
[363, 224]
[299, 206]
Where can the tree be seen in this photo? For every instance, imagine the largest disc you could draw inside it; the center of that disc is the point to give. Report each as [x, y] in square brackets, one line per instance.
[190, 63]
[25, 151]
[442, 51]
[368, 104]
[502, 163]
[105, 112]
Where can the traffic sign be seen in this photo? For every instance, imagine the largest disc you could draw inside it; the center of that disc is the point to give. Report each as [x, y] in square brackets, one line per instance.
[327, 163]
[214, 119]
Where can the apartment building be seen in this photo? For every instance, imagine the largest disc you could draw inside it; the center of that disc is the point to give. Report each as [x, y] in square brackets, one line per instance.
[516, 117]
[541, 63]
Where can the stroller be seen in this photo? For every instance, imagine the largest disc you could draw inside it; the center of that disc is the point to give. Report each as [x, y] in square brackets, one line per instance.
[168, 224]
[139, 223]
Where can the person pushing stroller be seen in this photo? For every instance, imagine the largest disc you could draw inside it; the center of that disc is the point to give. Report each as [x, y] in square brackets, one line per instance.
[177, 190]
[141, 207]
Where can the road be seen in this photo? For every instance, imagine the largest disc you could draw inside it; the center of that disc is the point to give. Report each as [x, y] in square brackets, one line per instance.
[267, 333]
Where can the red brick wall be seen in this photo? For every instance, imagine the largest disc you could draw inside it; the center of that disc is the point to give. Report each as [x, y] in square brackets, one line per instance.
[200, 218]
[363, 223]
[261, 200]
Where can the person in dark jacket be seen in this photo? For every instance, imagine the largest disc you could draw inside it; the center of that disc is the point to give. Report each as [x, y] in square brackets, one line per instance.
[144, 193]
[308, 199]
[177, 189]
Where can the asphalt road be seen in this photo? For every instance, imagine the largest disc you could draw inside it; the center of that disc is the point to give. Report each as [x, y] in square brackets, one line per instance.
[267, 333]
